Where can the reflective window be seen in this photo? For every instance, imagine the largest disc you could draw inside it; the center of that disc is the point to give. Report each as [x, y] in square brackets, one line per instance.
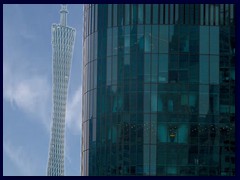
[214, 37]
[155, 39]
[114, 70]
[212, 7]
[115, 41]
[140, 14]
[154, 69]
[226, 14]
[147, 39]
[221, 14]
[176, 13]
[214, 69]
[155, 13]
[203, 100]
[173, 76]
[184, 39]
[109, 70]
[194, 39]
[166, 13]
[183, 76]
[115, 17]
[191, 14]
[109, 15]
[109, 41]
[206, 14]
[161, 13]
[120, 15]
[163, 39]
[183, 61]
[140, 37]
[127, 18]
[171, 14]
[154, 101]
[127, 40]
[186, 14]
[173, 62]
[163, 68]
[204, 69]
[134, 14]
[147, 13]
[147, 68]
[173, 38]
[159, 97]
[202, 14]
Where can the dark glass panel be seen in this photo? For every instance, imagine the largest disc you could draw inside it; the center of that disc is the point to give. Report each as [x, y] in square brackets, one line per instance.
[163, 39]
[140, 14]
[155, 13]
[147, 13]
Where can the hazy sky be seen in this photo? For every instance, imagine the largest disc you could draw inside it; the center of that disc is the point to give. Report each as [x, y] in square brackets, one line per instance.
[27, 89]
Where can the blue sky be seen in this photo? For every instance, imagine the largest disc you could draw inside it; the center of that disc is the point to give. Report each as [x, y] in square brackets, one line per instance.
[27, 89]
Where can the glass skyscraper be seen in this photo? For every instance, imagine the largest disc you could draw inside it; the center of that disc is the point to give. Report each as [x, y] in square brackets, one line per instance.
[159, 89]
[63, 38]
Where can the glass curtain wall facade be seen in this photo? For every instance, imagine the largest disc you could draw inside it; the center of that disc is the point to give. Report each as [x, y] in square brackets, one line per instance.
[158, 89]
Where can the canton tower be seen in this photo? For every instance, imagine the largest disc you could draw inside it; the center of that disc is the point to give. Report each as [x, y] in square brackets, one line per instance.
[63, 38]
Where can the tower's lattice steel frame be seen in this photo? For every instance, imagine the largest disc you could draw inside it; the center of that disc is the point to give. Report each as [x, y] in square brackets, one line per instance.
[63, 38]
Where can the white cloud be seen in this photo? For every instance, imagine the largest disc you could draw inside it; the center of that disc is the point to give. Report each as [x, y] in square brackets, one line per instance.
[74, 111]
[20, 158]
[73, 133]
[29, 93]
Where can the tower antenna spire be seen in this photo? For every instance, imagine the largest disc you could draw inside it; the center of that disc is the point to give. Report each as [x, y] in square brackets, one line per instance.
[63, 15]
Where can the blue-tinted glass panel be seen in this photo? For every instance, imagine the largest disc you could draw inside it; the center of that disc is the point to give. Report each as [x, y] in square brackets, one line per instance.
[186, 14]
[115, 15]
[166, 13]
[109, 15]
[109, 70]
[214, 69]
[163, 39]
[109, 42]
[171, 14]
[212, 7]
[214, 37]
[154, 69]
[161, 16]
[203, 100]
[216, 14]
[163, 68]
[147, 13]
[176, 13]
[206, 14]
[204, 40]
[155, 39]
[184, 39]
[147, 39]
[154, 103]
[202, 14]
[140, 37]
[155, 13]
[115, 41]
[147, 68]
[127, 40]
[127, 14]
[114, 70]
[204, 69]
[140, 14]
[173, 38]
[134, 14]
[173, 62]
[221, 14]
